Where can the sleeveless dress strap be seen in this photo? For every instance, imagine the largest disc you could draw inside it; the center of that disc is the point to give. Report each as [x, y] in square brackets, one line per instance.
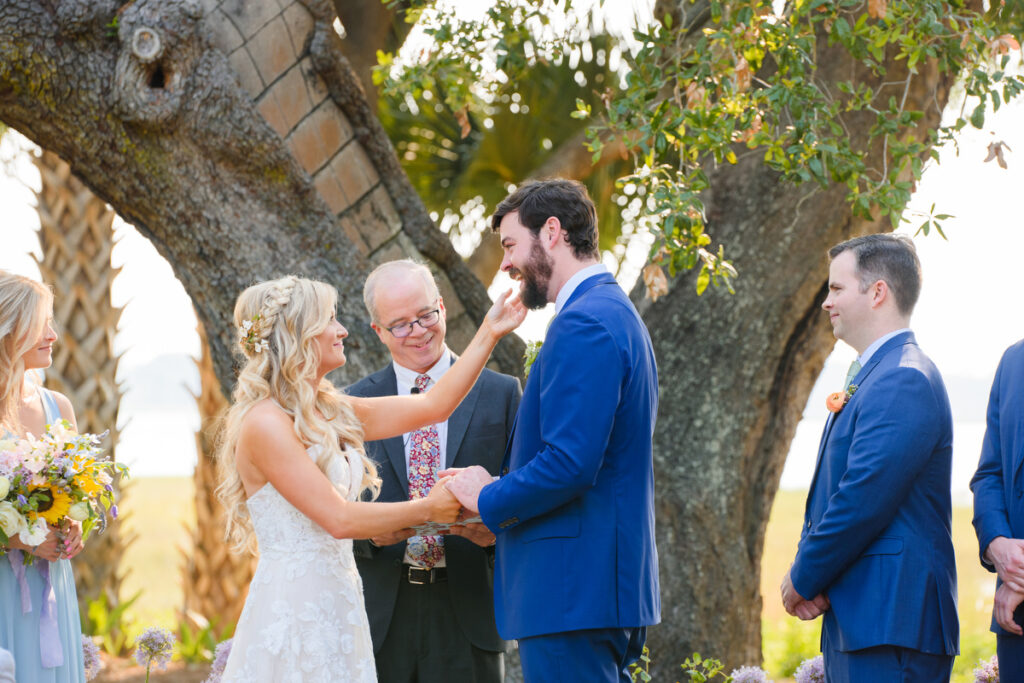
[50, 407]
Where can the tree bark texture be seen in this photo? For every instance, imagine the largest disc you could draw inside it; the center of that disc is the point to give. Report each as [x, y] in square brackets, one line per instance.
[235, 136]
[735, 373]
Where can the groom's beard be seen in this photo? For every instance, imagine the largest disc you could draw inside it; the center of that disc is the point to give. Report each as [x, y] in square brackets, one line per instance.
[536, 276]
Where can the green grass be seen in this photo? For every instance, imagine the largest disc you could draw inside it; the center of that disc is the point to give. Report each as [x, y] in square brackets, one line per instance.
[160, 512]
[787, 640]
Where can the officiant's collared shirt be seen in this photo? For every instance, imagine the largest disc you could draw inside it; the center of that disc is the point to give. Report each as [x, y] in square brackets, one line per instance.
[406, 380]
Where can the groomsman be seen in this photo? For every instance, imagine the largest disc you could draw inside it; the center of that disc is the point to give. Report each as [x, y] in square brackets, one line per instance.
[876, 552]
[429, 599]
[998, 488]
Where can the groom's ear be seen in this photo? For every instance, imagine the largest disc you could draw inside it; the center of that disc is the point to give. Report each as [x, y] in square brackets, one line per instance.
[551, 232]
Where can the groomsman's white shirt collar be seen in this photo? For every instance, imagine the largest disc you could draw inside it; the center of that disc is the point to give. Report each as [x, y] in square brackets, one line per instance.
[406, 380]
[877, 344]
[572, 283]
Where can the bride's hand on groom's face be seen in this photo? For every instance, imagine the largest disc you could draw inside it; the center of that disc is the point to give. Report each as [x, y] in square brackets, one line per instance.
[445, 507]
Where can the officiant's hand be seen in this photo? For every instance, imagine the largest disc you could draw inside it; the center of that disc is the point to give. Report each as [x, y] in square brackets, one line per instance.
[1006, 602]
[444, 506]
[393, 537]
[478, 533]
[1007, 554]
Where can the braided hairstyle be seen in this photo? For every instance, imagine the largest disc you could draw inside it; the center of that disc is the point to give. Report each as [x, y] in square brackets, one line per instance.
[281, 356]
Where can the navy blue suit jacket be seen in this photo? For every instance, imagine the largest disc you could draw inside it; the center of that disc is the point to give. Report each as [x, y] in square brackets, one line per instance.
[998, 485]
[574, 509]
[877, 534]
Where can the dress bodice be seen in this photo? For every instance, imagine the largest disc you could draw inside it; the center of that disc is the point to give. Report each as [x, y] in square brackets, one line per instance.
[281, 528]
[304, 619]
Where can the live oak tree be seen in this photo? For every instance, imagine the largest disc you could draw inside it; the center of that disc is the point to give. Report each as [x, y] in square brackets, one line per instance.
[194, 122]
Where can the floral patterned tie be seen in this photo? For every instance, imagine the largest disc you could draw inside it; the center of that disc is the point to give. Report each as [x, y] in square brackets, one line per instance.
[424, 463]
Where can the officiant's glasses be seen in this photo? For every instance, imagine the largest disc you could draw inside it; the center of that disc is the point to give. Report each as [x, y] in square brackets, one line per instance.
[428, 319]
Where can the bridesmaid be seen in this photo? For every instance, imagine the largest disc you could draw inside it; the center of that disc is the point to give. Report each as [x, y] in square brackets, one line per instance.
[39, 622]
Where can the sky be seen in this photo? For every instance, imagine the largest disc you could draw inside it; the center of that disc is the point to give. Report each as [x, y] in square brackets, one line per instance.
[969, 310]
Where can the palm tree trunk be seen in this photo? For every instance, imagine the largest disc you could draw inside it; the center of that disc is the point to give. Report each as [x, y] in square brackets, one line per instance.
[76, 233]
[215, 580]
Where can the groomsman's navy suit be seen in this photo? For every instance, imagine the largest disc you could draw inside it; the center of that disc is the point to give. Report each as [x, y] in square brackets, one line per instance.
[574, 509]
[998, 485]
[877, 529]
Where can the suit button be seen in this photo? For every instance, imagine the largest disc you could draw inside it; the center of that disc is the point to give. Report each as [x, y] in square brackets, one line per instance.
[808, 524]
[504, 471]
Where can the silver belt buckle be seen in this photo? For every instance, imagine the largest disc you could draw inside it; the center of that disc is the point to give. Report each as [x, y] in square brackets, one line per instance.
[415, 582]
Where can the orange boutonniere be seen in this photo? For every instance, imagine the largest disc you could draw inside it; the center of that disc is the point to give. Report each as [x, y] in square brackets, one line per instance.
[835, 401]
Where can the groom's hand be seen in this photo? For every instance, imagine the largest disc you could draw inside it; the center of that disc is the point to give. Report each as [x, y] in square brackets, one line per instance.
[1007, 554]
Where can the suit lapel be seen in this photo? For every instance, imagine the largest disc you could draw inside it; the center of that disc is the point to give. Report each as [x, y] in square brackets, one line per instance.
[458, 423]
[876, 358]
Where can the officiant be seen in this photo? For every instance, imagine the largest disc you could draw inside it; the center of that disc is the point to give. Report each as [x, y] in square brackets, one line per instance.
[429, 598]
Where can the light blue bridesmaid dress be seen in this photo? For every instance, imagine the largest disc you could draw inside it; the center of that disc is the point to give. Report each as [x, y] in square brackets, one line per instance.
[39, 624]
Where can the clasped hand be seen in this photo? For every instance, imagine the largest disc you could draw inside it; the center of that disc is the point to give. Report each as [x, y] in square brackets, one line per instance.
[61, 543]
[800, 607]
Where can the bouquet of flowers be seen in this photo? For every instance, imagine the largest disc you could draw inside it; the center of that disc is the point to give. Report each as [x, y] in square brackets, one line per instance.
[57, 477]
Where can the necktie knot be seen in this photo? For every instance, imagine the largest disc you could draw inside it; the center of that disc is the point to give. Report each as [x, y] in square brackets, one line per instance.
[422, 381]
[851, 373]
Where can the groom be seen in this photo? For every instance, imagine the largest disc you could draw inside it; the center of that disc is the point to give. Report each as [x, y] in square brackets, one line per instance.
[876, 553]
[576, 577]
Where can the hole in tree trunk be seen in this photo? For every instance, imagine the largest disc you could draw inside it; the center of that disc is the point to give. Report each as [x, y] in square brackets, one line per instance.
[156, 79]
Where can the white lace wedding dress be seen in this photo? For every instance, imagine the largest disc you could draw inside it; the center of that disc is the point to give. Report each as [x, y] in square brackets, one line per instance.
[304, 620]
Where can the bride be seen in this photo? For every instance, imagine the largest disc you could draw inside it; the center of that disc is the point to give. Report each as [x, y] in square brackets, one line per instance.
[293, 470]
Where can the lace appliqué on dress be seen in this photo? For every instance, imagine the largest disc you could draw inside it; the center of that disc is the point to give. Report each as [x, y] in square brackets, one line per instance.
[304, 620]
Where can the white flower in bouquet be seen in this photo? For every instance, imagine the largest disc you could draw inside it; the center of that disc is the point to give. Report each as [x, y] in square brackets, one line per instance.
[11, 521]
[79, 511]
[35, 533]
[5, 487]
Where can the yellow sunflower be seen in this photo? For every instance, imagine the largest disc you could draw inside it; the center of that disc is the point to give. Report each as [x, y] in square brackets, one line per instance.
[56, 507]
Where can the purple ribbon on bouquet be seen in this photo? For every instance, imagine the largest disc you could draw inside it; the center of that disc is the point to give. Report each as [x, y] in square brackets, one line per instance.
[51, 654]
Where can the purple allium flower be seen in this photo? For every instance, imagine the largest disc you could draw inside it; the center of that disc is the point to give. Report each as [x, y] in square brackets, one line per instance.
[987, 672]
[220, 660]
[91, 655]
[811, 671]
[749, 674]
[113, 511]
[154, 645]
[22, 500]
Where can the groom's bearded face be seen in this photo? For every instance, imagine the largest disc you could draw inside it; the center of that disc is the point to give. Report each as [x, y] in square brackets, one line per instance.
[536, 276]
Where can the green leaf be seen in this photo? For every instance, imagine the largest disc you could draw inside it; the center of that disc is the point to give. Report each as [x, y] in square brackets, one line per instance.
[978, 116]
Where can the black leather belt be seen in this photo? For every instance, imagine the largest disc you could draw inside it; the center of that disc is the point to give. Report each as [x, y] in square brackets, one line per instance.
[419, 576]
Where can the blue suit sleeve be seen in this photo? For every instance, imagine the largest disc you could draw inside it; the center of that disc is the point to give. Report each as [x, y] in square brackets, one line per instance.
[991, 519]
[580, 388]
[898, 427]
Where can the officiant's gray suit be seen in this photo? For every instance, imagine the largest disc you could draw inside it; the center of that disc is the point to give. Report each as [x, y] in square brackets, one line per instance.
[478, 431]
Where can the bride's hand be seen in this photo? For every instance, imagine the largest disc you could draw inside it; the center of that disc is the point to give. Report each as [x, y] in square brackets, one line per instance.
[507, 313]
[444, 507]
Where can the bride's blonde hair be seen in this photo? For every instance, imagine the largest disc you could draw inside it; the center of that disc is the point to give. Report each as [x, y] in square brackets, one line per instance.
[25, 306]
[278, 322]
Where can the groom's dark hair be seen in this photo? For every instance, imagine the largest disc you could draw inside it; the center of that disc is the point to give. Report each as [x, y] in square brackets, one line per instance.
[892, 258]
[566, 200]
